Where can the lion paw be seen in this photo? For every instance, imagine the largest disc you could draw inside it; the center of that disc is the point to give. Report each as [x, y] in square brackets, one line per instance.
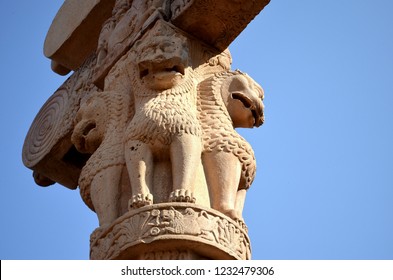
[182, 195]
[234, 215]
[139, 200]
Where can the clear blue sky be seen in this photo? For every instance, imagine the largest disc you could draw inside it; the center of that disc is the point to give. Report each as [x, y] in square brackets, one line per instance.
[324, 188]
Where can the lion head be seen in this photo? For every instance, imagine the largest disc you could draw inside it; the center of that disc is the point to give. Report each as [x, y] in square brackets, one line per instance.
[243, 99]
[162, 58]
[90, 125]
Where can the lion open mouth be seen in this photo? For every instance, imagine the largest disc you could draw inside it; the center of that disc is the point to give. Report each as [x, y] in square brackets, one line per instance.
[255, 107]
[161, 68]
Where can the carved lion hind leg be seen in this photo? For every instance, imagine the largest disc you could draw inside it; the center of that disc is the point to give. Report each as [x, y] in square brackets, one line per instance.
[139, 161]
[105, 193]
[185, 153]
[223, 171]
[239, 204]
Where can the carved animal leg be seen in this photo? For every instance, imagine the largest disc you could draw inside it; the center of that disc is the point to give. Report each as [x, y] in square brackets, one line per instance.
[125, 192]
[185, 152]
[239, 204]
[222, 171]
[139, 161]
[104, 192]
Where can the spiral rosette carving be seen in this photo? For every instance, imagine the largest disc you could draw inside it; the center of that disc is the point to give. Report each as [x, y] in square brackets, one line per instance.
[55, 119]
[166, 228]
[46, 128]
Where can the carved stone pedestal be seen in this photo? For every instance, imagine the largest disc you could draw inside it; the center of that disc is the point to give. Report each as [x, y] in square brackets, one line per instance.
[171, 231]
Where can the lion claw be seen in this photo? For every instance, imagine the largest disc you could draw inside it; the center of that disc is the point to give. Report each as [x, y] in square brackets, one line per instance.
[140, 200]
[182, 195]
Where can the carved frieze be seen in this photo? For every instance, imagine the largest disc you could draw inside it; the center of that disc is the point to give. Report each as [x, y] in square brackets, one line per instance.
[174, 227]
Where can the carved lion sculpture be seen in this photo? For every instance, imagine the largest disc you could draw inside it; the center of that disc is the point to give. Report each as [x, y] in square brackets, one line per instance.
[227, 100]
[99, 129]
[165, 126]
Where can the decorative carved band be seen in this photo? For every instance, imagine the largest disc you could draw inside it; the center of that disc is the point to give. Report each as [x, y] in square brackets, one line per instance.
[170, 229]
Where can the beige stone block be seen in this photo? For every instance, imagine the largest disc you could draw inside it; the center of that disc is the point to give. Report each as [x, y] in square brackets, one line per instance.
[74, 32]
[218, 22]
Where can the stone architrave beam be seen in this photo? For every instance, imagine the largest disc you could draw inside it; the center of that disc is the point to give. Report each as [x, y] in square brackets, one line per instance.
[74, 33]
[217, 22]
